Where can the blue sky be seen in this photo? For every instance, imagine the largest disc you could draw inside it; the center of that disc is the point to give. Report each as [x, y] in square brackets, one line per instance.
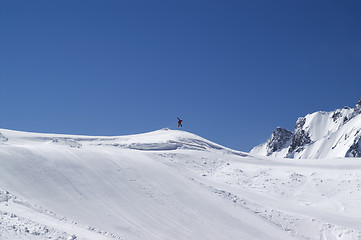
[232, 70]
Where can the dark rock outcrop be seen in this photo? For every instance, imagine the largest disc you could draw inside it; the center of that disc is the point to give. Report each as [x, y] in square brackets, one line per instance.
[336, 116]
[300, 137]
[278, 140]
[355, 149]
[358, 105]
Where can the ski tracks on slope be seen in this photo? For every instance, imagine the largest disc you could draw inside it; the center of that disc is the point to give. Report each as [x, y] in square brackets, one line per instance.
[22, 220]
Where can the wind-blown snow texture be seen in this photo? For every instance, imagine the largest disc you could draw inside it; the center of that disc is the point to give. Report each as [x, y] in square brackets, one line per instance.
[318, 135]
[169, 185]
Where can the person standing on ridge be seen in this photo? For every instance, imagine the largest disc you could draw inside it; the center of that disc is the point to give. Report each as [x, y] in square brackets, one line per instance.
[179, 122]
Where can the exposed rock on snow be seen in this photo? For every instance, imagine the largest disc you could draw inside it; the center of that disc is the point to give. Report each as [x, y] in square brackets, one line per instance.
[320, 135]
[358, 105]
[300, 137]
[279, 139]
[355, 149]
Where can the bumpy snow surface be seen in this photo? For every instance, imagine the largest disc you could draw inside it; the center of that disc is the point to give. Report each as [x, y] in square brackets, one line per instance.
[169, 185]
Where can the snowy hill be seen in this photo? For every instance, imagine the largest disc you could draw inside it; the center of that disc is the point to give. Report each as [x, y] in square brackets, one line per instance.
[169, 184]
[318, 135]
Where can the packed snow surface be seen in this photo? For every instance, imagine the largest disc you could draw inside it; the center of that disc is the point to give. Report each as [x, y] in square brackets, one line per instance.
[169, 184]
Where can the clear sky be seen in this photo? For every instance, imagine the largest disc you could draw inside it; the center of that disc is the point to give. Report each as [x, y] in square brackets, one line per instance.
[232, 70]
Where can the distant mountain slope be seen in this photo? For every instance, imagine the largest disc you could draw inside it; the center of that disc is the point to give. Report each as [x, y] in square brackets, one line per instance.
[318, 135]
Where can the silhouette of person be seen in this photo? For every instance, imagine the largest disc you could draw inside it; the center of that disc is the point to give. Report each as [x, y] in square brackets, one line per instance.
[180, 122]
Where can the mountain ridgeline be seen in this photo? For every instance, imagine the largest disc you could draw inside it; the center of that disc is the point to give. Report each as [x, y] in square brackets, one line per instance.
[318, 135]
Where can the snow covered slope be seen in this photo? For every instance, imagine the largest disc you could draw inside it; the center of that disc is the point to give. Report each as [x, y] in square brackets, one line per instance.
[169, 185]
[318, 135]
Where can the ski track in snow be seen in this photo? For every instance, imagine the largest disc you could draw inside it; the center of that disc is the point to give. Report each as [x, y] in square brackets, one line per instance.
[21, 220]
[169, 185]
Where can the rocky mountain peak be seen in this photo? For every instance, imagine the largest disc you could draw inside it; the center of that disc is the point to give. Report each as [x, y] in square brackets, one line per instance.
[318, 135]
[300, 122]
[278, 140]
[358, 105]
[300, 137]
